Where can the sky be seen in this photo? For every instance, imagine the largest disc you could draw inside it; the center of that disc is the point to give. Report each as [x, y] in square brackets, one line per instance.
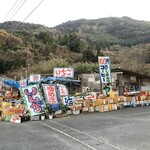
[54, 12]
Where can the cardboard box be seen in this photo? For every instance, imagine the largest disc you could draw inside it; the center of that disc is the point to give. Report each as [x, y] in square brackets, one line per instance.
[69, 112]
[125, 104]
[102, 96]
[148, 97]
[128, 103]
[110, 107]
[96, 108]
[86, 103]
[141, 102]
[6, 104]
[115, 100]
[91, 109]
[104, 102]
[98, 102]
[76, 112]
[110, 101]
[137, 102]
[113, 94]
[106, 108]
[85, 109]
[101, 108]
[78, 108]
[1, 100]
[114, 106]
[120, 105]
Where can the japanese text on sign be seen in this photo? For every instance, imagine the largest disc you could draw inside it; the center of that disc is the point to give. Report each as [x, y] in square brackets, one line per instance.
[50, 93]
[62, 90]
[67, 100]
[23, 83]
[35, 78]
[34, 99]
[104, 68]
[64, 72]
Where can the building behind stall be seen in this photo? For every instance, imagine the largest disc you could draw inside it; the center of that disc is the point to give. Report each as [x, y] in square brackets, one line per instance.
[122, 80]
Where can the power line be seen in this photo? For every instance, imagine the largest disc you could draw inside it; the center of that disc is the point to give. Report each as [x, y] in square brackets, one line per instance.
[23, 21]
[14, 5]
[17, 9]
[14, 10]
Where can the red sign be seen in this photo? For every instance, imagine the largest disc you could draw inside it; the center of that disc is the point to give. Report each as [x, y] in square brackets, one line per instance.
[64, 72]
[50, 93]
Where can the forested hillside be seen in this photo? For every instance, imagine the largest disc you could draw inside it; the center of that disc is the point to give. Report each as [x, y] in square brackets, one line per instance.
[38, 49]
[106, 32]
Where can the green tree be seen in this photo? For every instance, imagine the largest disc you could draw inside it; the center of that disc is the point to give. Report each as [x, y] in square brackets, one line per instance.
[89, 56]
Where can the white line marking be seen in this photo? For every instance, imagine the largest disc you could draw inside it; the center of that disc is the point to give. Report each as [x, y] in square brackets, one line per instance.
[104, 142]
[142, 113]
[68, 136]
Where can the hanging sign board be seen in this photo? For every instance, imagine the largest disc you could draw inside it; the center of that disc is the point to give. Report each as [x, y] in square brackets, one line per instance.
[104, 68]
[64, 72]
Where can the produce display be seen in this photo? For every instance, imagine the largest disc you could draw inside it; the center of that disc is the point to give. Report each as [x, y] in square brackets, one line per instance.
[47, 101]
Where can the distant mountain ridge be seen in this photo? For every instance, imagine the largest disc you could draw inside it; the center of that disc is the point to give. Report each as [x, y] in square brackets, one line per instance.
[124, 31]
[12, 25]
[102, 32]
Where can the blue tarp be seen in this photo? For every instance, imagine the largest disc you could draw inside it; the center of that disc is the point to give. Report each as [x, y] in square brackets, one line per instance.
[47, 79]
[16, 84]
[55, 107]
[64, 80]
[12, 83]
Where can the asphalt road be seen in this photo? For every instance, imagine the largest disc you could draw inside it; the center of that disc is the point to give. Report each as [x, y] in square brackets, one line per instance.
[126, 129]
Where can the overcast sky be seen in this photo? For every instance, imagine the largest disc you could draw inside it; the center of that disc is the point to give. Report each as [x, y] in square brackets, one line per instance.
[54, 12]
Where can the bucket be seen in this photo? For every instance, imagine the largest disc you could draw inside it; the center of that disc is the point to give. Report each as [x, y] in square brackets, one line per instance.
[50, 116]
[42, 117]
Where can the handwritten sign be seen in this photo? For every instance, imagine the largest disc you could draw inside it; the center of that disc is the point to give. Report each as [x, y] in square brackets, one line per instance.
[23, 83]
[64, 72]
[107, 90]
[31, 94]
[104, 68]
[50, 93]
[68, 100]
[63, 91]
[35, 78]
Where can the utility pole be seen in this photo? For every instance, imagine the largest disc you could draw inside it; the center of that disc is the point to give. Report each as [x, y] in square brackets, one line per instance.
[27, 67]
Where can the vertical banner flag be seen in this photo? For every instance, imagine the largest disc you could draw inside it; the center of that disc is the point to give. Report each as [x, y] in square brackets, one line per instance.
[64, 72]
[50, 93]
[35, 78]
[34, 100]
[104, 68]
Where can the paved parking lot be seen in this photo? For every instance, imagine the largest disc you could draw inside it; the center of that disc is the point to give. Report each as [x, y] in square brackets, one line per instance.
[126, 129]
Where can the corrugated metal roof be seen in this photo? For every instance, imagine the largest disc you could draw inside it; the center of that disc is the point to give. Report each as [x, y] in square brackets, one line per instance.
[128, 72]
